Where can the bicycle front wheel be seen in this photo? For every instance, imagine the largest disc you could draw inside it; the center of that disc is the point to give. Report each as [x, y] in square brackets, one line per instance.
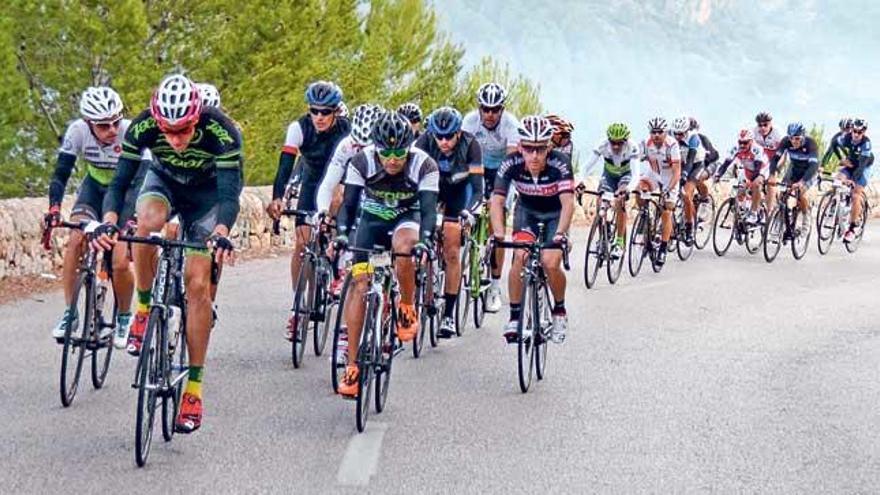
[367, 356]
[545, 321]
[75, 336]
[339, 356]
[525, 341]
[324, 304]
[705, 217]
[593, 257]
[638, 239]
[826, 222]
[773, 232]
[302, 312]
[149, 377]
[859, 232]
[724, 228]
[803, 227]
[104, 318]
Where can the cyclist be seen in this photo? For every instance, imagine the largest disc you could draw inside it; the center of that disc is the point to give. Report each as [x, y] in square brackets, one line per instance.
[562, 130]
[96, 137]
[545, 183]
[693, 158]
[196, 174]
[845, 126]
[496, 130]
[313, 137]
[855, 167]
[803, 153]
[756, 168]
[413, 114]
[399, 186]
[768, 138]
[617, 153]
[663, 156]
[460, 162]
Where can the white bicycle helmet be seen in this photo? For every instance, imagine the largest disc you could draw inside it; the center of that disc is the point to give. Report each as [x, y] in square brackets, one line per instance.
[176, 103]
[681, 125]
[362, 123]
[535, 129]
[100, 104]
[491, 95]
[342, 110]
[657, 124]
[210, 95]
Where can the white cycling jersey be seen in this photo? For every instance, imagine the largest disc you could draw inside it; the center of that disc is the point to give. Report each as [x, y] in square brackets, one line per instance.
[770, 142]
[100, 158]
[660, 159]
[335, 173]
[494, 142]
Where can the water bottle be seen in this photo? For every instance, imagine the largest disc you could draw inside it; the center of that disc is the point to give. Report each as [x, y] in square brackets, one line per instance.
[173, 325]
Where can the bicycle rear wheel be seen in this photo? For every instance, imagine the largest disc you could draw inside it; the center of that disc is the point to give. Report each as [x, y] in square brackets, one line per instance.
[419, 341]
[754, 234]
[105, 317]
[705, 221]
[177, 361]
[366, 362]
[149, 380]
[437, 305]
[302, 312]
[480, 300]
[385, 359]
[852, 247]
[638, 240]
[773, 232]
[683, 248]
[724, 228]
[593, 257]
[338, 360]
[75, 336]
[323, 304]
[545, 321]
[525, 331]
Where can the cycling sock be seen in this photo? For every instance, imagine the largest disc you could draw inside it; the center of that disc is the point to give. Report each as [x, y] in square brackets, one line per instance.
[450, 300]
[515, 312]
[620, 240]
[143, 300]
[559, 308]
[194, 381]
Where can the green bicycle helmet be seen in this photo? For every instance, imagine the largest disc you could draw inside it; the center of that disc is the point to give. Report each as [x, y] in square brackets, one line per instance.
[618, 131]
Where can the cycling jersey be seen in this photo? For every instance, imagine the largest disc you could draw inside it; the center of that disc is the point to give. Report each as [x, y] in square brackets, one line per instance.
[692, 142]
[101, 159]
[712, 154]
[314, 148]
[536, 193]
[770, 142]
[753, 159]
[212, 160]
[661, 156]
[834, 147]
[345, 151]
[388, 197]
[567, 150]
[462, 167]
[860, 156]
[615, 164]
[493, 142]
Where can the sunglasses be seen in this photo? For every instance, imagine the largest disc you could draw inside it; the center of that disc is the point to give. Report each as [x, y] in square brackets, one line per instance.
[492, 109]
[858, 132]
[389, 153]
[534, 150]
[764, 124]
[106, 126]
[618, 143]
[445, 137]
[680, 134]
[744, 143]
[322, 111]
[657, 133]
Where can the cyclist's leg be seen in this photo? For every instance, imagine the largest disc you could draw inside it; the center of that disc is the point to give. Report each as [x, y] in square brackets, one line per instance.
[668, 208]
[86, 207]
[371, 232]
[772, 179]
[453, 199]
[552, 261]
[153, 210]
[498, 260]
[524, 230]
[757, 188]
[620, 205]
[406, 235]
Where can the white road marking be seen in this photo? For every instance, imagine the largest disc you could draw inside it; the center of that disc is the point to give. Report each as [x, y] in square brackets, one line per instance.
[361, 458]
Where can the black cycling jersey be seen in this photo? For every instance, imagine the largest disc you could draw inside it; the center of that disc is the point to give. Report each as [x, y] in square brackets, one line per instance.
[803, 158]
[212, 159]
[859, 154]
[834, 147]
[465, 163]
[539, 193]
[314, 148]
[387, 197]
[711, 153]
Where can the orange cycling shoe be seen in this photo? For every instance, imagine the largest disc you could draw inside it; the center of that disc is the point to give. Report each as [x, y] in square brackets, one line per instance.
[349, 385]
[136, 334]
[190, 417]
[407, 322]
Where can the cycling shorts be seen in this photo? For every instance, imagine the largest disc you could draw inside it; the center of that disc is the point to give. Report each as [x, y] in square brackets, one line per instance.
[195, 204]
[374, 232]
[527, 221]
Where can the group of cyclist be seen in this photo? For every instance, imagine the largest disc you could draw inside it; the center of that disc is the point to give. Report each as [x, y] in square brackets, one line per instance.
[379, 177]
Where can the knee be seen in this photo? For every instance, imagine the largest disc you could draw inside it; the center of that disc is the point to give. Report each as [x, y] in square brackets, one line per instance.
[551, 261]
[151, 218]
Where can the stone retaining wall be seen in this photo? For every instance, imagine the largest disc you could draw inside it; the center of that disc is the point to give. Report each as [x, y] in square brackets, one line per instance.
[20, 229]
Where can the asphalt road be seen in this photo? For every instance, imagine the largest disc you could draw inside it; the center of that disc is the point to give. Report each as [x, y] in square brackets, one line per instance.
[717, 375]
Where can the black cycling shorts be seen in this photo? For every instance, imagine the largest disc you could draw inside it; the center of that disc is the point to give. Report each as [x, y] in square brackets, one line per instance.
[610, 183]
[90, 198]
[453, 197]
[526, 220]
[196, 205]
[374, 232]
[308, 193]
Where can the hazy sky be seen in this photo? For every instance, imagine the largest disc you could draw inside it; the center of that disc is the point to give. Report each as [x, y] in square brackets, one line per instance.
[720, 60]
